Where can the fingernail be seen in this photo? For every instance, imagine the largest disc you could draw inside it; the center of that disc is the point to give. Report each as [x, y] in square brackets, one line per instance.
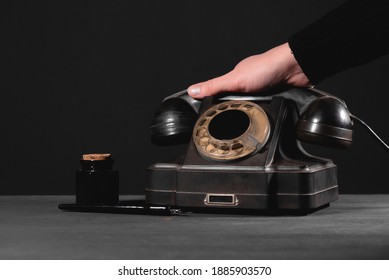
[194, 90]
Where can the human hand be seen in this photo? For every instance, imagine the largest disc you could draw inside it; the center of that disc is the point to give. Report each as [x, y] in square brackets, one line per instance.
[256, 73]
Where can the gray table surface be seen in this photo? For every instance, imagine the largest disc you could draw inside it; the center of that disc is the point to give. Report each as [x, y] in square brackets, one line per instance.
[353, 227]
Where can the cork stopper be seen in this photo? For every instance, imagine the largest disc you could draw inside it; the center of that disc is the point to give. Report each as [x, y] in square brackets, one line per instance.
[96, 156]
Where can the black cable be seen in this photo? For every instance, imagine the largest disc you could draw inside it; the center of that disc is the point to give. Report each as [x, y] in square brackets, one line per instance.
[370, 130]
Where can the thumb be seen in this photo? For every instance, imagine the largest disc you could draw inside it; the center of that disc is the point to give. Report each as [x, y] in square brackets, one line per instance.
[208, 88]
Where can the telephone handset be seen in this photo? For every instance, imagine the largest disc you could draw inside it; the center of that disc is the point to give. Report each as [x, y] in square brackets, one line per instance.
[323, 118]
[244, 151]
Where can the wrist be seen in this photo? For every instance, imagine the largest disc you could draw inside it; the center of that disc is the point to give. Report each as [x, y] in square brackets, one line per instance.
[294, 74]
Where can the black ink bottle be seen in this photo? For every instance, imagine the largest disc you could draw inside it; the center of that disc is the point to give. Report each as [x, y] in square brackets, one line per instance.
[96, 182]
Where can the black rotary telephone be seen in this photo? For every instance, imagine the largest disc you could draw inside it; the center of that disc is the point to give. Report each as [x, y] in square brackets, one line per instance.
[244, 151]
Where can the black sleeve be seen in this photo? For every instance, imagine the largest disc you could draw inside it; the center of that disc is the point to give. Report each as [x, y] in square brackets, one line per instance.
[353, 34]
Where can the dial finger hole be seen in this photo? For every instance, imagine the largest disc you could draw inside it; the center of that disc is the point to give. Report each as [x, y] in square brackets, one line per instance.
[211, 113]
[203, 141]
[223, 149]
[222, 106]
[237, 147]
[211, 147]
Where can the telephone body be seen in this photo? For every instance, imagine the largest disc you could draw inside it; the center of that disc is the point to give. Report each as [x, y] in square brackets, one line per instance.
[244, 152]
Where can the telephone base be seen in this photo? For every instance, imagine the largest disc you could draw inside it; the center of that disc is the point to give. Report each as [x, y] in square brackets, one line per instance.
[242, 187]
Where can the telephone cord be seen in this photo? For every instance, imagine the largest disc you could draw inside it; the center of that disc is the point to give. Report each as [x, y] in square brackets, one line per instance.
[369, 129]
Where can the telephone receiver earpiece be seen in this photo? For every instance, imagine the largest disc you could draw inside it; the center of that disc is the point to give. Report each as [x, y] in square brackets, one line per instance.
[174, 120]
[326, 121]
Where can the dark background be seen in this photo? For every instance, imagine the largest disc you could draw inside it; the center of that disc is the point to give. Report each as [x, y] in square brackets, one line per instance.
[83, 77]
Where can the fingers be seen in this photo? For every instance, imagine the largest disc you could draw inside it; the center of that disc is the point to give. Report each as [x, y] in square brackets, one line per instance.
[208, 88]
